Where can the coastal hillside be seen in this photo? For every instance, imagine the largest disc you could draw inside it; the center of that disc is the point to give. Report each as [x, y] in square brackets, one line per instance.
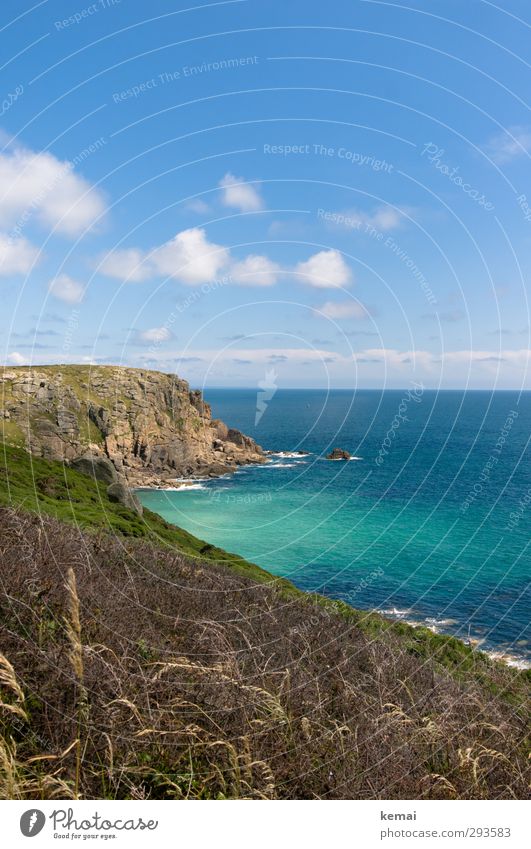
[148, 424]
[138, 662]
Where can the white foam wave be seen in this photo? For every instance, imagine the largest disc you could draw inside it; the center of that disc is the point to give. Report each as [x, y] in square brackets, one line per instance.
[289, 455]
[510, 659]
[282, 465]
[436, 625]
[340, 459]
[183, 487]
[433, 622]
[395, 611]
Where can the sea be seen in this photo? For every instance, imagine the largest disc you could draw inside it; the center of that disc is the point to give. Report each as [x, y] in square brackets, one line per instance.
[428, 522]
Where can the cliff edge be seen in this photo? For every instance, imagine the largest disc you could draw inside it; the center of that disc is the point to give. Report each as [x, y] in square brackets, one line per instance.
[150, 425]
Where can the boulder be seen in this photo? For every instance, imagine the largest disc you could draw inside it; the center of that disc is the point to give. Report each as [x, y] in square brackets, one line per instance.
[121, 494]
[338, 454]
[215, 470]
[99, 468]
[236, 437]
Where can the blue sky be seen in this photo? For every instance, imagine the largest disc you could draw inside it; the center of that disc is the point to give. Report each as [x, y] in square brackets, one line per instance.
[315, 194]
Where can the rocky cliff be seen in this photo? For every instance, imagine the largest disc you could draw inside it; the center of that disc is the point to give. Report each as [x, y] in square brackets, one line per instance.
[150, 425]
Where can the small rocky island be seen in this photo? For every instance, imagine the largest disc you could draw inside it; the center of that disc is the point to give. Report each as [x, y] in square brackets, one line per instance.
[338, 454]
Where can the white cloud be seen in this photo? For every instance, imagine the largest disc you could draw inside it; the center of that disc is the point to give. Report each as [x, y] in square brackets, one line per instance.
[239, 194]
[155, 334]
[41, 186]
[514, 142]
[17, 359]
[16, 255]
[190, 257]
[325, 270]
[66, 289]
[129, 264]
[342, 309]
[369, 367]
[255, 270]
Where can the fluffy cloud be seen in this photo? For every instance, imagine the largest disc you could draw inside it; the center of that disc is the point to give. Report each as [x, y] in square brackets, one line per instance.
[324, 270]
[342, 309]
[240, 195]
[255, 270]
[511, 144]
[190, 257]
[39, 185]
[155, 335]
[16, 255]
[66, 289]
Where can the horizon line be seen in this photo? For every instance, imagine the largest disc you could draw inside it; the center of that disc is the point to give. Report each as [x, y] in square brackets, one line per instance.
[253, 388]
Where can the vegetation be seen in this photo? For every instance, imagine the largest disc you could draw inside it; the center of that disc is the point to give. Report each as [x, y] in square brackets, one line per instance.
[139, 662]
[50, 488]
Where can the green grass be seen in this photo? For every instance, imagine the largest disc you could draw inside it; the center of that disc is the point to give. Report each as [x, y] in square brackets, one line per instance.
[88, 431]
[12, 432]
[51, 488]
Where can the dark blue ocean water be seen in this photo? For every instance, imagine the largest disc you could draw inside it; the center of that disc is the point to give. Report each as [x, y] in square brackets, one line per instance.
[431, 523]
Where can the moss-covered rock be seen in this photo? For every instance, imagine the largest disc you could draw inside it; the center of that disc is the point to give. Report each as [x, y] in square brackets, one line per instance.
[121, 494]
[99, 468]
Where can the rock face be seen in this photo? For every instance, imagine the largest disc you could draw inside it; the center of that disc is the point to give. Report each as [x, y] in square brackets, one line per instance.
[338, 454]
[119, 423]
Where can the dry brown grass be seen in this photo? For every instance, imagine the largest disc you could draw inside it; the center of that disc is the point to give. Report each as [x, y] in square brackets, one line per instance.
[131, 672]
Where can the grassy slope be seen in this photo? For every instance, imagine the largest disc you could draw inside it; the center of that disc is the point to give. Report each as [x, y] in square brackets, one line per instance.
[53, 489]
[400, 696]
[50, 488]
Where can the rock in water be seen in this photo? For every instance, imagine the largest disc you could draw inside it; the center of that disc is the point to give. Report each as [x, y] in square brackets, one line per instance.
[338, 454]
[148, 426]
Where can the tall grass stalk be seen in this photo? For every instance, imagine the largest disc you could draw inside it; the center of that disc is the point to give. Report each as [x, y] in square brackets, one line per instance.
[73, 630]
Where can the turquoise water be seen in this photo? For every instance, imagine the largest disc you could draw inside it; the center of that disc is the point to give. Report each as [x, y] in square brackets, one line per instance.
[431, 522]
